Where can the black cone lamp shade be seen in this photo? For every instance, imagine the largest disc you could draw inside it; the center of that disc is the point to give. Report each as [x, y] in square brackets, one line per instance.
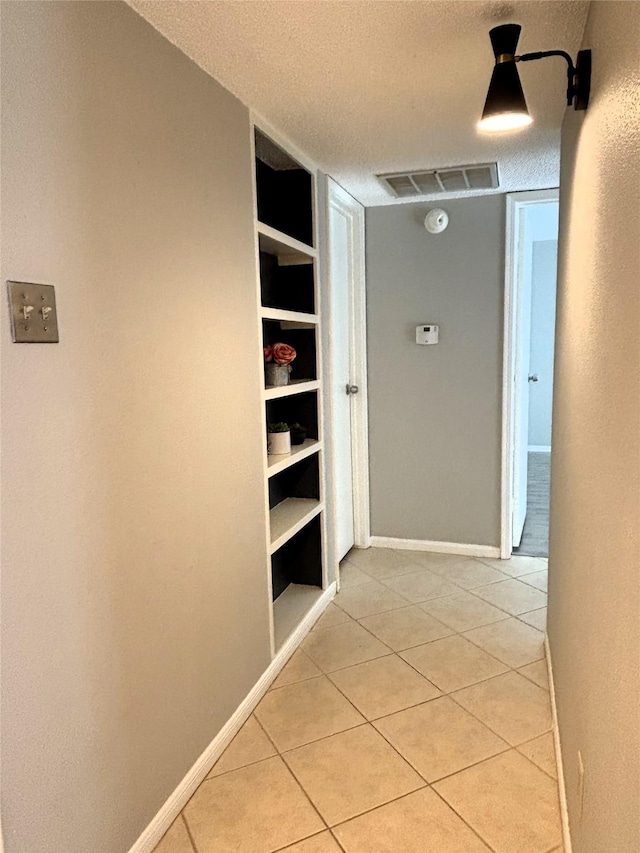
[505, 107]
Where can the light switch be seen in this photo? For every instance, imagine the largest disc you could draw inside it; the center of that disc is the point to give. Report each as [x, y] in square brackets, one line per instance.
[33, 313]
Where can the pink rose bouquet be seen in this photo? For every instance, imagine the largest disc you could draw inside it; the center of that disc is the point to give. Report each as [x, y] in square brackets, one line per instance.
[278, 358]
[283, 353]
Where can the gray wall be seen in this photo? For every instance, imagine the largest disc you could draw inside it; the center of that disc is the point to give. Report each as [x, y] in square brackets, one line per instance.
[543, 318]
[594, 603]
[134, 591]
[434, 411]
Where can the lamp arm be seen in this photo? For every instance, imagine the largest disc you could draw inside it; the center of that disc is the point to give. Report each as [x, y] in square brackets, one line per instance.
[571, 69]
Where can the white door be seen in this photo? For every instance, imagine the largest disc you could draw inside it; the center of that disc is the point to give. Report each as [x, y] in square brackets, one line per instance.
[348, 399]
[531, 216]
[521, 375]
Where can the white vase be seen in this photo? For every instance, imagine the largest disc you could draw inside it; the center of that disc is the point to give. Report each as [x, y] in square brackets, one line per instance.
[277, 374]
[279, 443]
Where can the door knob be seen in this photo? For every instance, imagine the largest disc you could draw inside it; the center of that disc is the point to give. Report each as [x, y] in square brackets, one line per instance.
[533, 377]
[352, 389]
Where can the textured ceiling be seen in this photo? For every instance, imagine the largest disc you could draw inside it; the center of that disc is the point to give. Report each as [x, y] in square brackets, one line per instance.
[383, 86]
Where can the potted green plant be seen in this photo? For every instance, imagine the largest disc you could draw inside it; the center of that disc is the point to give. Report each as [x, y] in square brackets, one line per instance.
[298, 433]
[278, 439]
[278, 358]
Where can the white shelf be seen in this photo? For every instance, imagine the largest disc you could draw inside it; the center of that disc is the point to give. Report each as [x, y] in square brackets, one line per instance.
[287, 249]
[277, 463]
[288, 276]
[297, 386]
[290, 516]
[291, 607]
[302, 321]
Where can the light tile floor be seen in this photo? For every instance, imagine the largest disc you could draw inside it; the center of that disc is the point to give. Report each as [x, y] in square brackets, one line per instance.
[415, 718]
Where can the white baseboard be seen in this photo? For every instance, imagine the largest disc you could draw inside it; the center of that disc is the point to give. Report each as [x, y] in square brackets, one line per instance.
[539, 448]
[562, 791]
[436, 547]
[151, 836]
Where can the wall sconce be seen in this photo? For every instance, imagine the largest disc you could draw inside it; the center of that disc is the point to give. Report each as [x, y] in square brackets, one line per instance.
[505, 107]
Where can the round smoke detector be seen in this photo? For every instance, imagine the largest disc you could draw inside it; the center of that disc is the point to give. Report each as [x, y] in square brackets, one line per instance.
[436, 221]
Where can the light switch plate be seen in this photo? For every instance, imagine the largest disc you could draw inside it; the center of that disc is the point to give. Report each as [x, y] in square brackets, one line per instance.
[34, 319]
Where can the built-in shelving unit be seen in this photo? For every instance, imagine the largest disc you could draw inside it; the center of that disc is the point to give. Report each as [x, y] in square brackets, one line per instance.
[290, 319]
[289, 250]
[296, 386]
[290, 608]
[290, 516]
[289, 313]
[309, 446]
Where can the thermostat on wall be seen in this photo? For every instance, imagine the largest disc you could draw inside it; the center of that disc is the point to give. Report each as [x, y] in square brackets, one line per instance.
[428, 334]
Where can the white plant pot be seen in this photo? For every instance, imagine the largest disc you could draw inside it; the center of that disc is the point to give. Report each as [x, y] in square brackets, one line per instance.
[279, 443]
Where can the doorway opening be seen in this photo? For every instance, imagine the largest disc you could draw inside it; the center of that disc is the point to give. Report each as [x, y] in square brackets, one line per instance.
[529, 332]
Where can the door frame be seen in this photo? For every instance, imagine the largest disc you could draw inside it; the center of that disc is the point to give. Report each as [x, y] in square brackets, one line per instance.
[339, 199]
[516, 203]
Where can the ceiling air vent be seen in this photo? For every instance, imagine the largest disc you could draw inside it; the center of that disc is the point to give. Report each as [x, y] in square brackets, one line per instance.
[481, 176]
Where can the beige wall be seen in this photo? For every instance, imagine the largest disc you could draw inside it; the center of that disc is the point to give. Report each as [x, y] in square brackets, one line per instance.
[134, 590]
[594, 568]
[434, 411]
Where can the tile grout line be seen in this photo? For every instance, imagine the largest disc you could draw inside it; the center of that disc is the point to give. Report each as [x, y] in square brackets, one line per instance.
[452, 695]
[292, 774]
[524, 675]
[453, 630]
[538, 572]
[241, 767]
[462, 589]
[307, 838]
[542, 770]
[485, 560]
[466, 822]
[324, 737]
[342, 668]
[330, 826]
[455, 773]
[300, 681]
[337, 840]
[506, 663]
[253, 764]
[481, 681]
[307, 797]
[186, 826]
[364, 628]
[372, 634]
[406, 648]
[400, 710]
[249, 763]
[425, 787]
[444, 566]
